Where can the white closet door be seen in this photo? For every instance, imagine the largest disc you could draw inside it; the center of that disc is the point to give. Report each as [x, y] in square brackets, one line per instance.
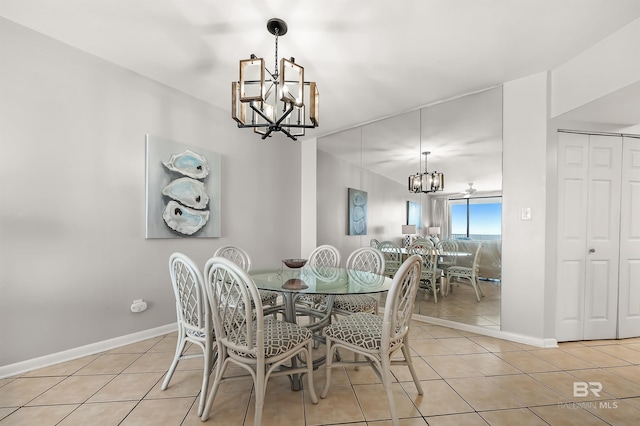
[588, 236]
[573, 185]
[603, 237]
[629, 294]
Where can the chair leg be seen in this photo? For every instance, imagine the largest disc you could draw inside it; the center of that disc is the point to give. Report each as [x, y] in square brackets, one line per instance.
[475, 287]
[407, 356]
[386, 382]
[328, 368]
[205, 379]
[220, 369]
[176, 358]
[259, 387]
[478, 284]
[312, 390]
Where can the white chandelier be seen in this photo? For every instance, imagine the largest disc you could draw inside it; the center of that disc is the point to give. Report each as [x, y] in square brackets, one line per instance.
[282, 103]
[426, 182]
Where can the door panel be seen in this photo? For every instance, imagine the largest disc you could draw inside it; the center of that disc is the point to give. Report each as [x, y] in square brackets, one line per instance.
[603, 238]
[629, 303]
[573, 185]
[570, 300]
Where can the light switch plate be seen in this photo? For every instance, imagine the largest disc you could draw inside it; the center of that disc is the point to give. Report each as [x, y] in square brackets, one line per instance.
[526, 213]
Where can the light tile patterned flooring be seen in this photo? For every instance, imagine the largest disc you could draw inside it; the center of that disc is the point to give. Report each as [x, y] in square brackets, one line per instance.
[462, 306]
[468, 379]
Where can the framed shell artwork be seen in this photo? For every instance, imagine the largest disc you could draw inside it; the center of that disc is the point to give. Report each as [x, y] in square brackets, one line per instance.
[357, 202]
[182, 190]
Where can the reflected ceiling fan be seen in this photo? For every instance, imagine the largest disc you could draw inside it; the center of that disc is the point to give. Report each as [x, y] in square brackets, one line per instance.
[469, 191]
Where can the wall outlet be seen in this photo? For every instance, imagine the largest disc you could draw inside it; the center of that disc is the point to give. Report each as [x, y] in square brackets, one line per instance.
[138, 305]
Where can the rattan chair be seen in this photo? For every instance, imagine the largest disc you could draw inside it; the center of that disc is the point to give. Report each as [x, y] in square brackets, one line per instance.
[241, 258]
[379, 338]
[194, 320]
[247, 339]
[431, 278]
[468, 274]
[392, 257]
[364, 259]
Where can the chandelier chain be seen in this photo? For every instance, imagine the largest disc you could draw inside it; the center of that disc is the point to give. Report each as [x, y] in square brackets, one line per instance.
[277, 30]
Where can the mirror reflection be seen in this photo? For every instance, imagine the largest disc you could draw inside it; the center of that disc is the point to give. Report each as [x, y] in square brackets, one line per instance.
[464, 139]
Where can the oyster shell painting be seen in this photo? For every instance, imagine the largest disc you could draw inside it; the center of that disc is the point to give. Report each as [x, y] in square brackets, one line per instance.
[182, 190]
[357, 212]
[189, 164]
[183, 219]
[187, 191]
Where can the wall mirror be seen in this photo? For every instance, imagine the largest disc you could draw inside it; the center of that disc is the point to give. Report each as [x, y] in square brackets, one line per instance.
[464, 138]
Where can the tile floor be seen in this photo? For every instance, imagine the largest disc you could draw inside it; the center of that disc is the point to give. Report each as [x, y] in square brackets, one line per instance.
[462, 306]
[467, 379]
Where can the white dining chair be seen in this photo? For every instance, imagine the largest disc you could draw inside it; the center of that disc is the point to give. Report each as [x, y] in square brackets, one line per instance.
[431, 278]
[377, 338]
[193, 318]
[323, 261]
[248, 340]
[364, 259]
[469, 274]
[241, 258]
[392, 257]
[447, 253]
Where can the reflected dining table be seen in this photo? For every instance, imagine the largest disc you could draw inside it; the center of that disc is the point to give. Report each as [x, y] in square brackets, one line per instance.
[313, 280]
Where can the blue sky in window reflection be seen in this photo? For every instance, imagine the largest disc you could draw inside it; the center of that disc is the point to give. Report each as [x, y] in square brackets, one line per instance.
[485, 220]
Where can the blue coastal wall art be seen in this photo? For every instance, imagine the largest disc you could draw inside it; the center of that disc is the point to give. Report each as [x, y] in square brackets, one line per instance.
[414, 214]
[182, 190]
[357, 202]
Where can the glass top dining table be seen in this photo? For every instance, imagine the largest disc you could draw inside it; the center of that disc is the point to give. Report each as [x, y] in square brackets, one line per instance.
[291, 283]
[320, 280]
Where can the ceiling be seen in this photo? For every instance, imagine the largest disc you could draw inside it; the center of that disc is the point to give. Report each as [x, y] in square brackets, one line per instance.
[463, 136]
[370, 58]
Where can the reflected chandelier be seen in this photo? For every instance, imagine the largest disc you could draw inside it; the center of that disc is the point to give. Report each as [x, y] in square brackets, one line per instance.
[283, 102]
[426, 182]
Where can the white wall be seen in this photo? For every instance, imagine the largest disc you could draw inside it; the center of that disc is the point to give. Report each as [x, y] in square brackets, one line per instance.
[308, 209]
[524, 168]
[386, 210]
[73, 252]
[606, 67]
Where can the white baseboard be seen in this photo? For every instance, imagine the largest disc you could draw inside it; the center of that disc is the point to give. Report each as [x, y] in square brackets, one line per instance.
[71, 354]
[499, 334]
[105, 345]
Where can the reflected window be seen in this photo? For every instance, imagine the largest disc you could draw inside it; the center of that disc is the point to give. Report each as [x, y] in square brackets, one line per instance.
[476, 218]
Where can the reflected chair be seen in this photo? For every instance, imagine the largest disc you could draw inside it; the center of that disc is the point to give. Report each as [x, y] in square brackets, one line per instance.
[247, 339]
[364, 259]
[241, 258]
[447, 256]
[322, 261]
[194, 320]
[431, 278]
[469, 274]
[392, 257]
[324, 256]
[447, 253]
[377, 338]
